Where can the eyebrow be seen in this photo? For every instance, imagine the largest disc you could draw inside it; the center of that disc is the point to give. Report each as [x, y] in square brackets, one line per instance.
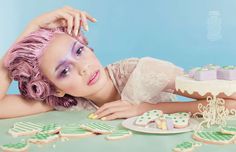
[64, 61]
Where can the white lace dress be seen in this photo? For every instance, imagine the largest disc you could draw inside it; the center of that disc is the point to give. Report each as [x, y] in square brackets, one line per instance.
[139, 80]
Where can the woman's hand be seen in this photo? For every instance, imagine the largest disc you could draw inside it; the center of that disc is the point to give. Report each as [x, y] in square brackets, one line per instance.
[67, 16]
[121, 109]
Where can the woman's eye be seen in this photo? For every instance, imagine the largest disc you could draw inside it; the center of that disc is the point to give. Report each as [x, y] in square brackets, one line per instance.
[79, 51]
[64, 72]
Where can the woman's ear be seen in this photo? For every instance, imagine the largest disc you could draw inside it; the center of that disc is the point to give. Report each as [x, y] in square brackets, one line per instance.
[59, 93]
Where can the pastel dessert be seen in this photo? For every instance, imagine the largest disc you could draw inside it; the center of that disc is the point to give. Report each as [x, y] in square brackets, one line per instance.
[192, 72]
[229, 130]
[164, 123]
[227, 73]
[43, 138]
[51, 128]
[74, 130]
[148, 117]
[16, 147]
[180, 119]
[119, 134]
[97, 127]
[186, 146]
[204, 74]
[212, 66]
[25, 128]
[214, 137]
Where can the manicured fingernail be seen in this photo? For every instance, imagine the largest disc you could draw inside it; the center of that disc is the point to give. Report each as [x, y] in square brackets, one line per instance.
[95, 20]
[90, 116]
[103, 118]
[86, 27]
[94, 117]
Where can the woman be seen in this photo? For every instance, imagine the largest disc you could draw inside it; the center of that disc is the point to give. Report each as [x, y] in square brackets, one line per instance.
[56, 66]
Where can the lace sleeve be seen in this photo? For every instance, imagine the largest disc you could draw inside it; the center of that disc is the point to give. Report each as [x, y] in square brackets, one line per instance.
[120, 72]
[149, 80]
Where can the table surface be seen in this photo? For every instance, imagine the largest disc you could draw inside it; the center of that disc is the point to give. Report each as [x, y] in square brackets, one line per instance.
[137, 142]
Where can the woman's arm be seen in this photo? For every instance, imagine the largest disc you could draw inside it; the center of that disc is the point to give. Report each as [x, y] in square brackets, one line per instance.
[172, 107]
[124, 109]
[16, 105]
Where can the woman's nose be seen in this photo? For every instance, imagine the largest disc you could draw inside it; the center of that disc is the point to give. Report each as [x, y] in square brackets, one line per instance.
[84, 70]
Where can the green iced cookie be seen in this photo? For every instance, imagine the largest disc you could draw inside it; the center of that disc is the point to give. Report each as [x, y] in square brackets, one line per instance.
[41, 138]
[214, 137]
[98, 127]
[15, 147]
[119, 134]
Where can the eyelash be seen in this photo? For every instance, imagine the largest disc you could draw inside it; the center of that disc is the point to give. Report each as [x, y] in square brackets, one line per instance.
[65, 71]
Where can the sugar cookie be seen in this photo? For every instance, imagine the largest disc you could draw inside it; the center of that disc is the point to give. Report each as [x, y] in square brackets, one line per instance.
[17, 147]
[214, 137]
[25, 128]
[186, 146]
[98, 127]
[43, 138]
[148, 117]
[119, 134]
[74, 131]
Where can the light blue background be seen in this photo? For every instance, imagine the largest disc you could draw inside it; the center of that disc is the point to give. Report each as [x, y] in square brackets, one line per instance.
[174, 30]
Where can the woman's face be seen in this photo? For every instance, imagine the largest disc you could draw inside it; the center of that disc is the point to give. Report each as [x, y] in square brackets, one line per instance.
[72, 67]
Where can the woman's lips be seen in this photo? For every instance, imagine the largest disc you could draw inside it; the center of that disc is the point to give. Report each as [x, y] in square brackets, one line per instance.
[93, 79]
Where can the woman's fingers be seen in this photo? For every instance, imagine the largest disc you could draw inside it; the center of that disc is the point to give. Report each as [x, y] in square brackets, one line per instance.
[108, 105]
[84, 21]
[110, 111]
[89, 17]
[69, 20]
[77, 24]
[120, 114]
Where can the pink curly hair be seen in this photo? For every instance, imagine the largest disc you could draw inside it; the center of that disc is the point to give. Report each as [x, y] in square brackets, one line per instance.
[23, 66]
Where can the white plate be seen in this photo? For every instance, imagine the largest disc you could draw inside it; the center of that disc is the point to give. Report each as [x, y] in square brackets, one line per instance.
[151, 128]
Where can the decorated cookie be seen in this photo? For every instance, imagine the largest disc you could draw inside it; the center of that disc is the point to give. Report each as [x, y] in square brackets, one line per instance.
[229, 130]
[17, 147]
[186, 146]
[25, 128]
[74, 130]
[164, 123]
[97, 127]
[148, 117]
[180, 119]
[51, 128]
[119, 134]
[227, 73]
[43, 138]
[214, 137]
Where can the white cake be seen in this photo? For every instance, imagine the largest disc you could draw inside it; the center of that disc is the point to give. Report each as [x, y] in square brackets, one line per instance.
[185, 83]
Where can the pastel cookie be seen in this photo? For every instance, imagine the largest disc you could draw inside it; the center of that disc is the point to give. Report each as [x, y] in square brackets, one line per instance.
[148, 117]
[180, 119]
[229, 130]
[164, 123]
[17, 147]
[51, 128]
[227, 73]
[74, 131]
[186, 146]
[98, 127]
[214, 137]
[119, 134]
[25, 128]
[43, 138]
